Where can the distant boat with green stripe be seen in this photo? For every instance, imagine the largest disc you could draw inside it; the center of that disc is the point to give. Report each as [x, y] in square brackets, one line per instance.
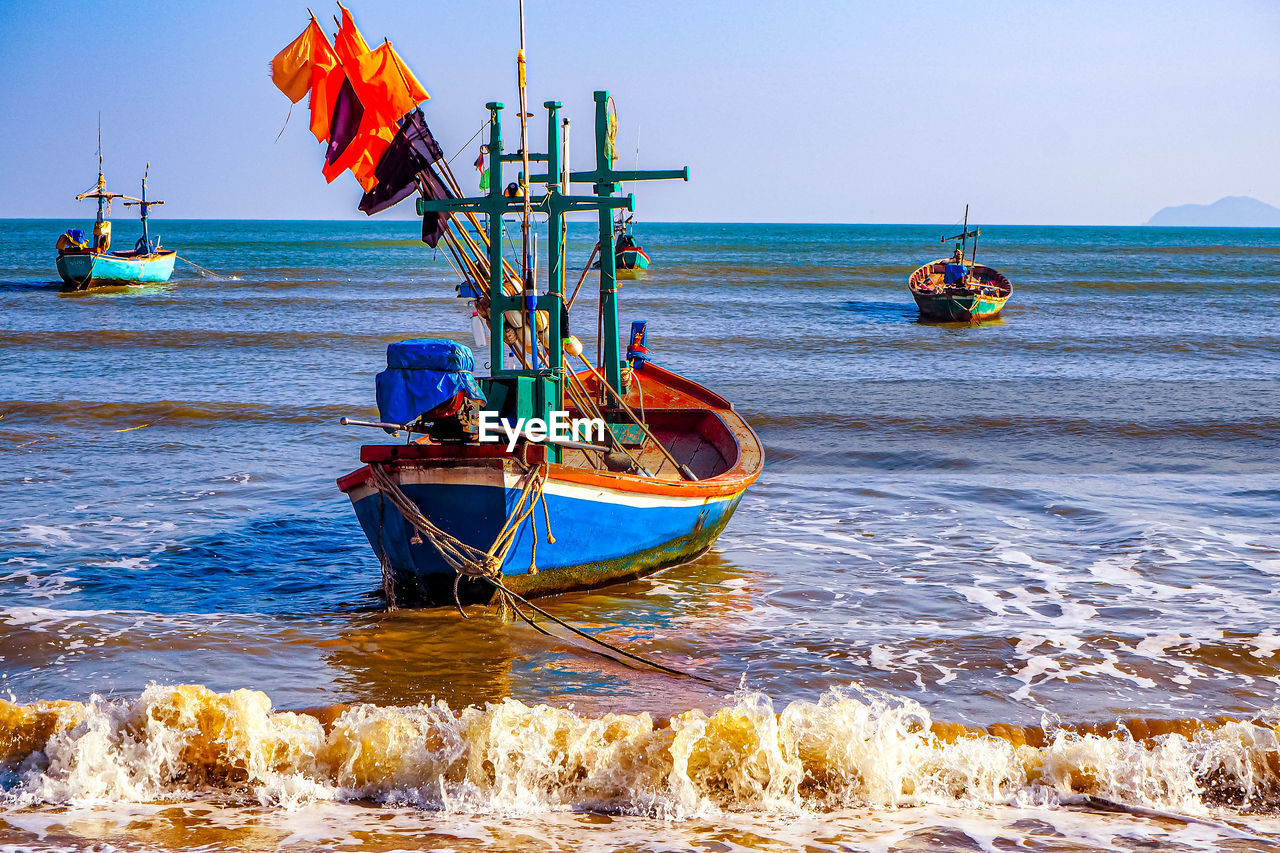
[630, 255]
[958, 289]
[627, 253]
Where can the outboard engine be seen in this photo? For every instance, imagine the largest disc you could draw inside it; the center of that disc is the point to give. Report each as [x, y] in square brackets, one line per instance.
[428, 386]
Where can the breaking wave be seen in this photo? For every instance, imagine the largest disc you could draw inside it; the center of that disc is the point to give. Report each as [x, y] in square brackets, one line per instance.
[849, 748]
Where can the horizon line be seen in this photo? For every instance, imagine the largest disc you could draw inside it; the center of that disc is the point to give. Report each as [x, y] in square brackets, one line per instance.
[678, 222]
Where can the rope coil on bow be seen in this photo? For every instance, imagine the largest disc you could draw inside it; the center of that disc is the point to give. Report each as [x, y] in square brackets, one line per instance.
[466, 560]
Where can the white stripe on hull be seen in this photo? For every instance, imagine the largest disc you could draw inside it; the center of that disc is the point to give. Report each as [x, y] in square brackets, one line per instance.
[488, 477]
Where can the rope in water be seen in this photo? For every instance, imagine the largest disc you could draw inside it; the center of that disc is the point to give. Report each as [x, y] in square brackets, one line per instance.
[469, 561]
[204, 270]
[591, 638]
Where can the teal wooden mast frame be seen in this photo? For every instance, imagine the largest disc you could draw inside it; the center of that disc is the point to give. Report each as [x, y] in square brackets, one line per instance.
[539, 389]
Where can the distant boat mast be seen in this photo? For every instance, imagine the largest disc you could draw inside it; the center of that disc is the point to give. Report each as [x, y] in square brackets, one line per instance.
[964, 236]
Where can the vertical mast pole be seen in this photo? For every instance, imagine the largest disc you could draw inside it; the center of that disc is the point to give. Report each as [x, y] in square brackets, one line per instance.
[102, 182]
[142, 208]
[564, 175]
[496, 270]
[555, 244]
[554, 300]
[530, 286]
[964, 233]
[612, 366]
[564, 190]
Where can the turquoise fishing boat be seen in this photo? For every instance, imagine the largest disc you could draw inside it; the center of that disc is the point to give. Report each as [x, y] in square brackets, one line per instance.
[82, 269]
[958, 289]
[84, 263]
[628, 254]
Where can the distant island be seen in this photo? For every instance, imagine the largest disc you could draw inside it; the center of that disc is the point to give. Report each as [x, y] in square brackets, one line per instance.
[1234, 211]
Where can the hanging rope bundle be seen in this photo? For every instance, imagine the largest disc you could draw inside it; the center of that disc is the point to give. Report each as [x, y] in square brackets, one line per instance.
[611, 133]
[467, 560]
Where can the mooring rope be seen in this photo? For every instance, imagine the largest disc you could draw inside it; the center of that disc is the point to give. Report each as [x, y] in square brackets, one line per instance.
[204, 270]
[590, 637]
[93, 262]
[469, 561]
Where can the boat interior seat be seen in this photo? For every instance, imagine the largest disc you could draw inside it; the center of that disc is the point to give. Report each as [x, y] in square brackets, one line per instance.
[700, 440]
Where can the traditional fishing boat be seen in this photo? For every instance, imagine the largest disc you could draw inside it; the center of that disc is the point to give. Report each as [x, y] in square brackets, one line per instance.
[461, 514]
[663, 505]
[84, 263]
[958, 288]
[629, 255]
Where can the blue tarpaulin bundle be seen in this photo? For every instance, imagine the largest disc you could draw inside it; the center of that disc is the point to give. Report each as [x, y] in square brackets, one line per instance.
[954, 273]
[421, 374]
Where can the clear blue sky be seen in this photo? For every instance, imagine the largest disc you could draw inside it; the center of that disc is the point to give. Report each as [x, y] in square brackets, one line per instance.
[1032, 112]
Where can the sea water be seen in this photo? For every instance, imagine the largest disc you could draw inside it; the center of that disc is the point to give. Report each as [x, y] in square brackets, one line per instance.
[1000, 585]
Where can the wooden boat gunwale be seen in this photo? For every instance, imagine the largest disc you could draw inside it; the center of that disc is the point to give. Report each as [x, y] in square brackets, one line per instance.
[735, 478]
[1001, 282]
[126, 255]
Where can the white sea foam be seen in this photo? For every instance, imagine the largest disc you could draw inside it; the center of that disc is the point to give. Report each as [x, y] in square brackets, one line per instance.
[44, 618]
[128, 564]
[43, 534]
[1271, 567]
[850, 748]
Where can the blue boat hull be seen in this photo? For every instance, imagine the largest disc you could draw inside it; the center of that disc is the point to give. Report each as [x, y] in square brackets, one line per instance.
[601, 536]
[82, 270]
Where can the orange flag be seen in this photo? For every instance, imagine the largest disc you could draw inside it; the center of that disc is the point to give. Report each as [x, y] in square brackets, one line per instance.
[364, 167]
[362, 155]
[387, 90]
[292, 68]
[326, 82]
[416, 92]
[348, 46]
[351, 49]
[385, 85]
[348, 42]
